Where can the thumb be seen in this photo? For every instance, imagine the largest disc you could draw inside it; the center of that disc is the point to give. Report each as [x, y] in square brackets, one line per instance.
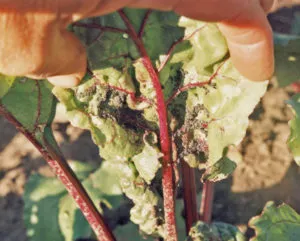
[249, 38]
[38, 46]
[67, 61]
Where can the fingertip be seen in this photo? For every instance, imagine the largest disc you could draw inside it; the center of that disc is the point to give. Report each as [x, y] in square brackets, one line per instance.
[256, 74]
[255, 62]
[69, 64]
[65, 81]
[250, 42]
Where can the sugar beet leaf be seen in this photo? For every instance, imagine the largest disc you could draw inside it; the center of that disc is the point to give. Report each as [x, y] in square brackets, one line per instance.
[164, 85]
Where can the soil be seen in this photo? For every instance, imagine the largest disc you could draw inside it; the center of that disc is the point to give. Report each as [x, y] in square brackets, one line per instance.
[267, 172]
[19, 159]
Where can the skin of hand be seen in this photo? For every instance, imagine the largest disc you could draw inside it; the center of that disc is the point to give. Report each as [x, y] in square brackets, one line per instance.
[34, 41]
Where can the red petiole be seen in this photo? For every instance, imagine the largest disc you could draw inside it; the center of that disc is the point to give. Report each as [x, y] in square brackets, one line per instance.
[165, 142]
[63, 171]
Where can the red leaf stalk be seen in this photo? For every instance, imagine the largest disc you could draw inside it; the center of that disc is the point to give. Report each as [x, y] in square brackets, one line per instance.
[63, 171]
[165, 140]
[207, 202]
[190, 195]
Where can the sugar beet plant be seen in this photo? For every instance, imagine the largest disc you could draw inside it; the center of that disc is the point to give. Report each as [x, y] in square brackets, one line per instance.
[161, 99]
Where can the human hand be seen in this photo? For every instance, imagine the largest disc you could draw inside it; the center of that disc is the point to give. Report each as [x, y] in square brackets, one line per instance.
[34, 41]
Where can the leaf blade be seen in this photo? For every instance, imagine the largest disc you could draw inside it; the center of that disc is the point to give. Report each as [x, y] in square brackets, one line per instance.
[294, 138]
[276, 223]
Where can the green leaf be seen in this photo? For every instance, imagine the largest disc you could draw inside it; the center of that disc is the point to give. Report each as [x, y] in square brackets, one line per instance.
[220, 170]
[287, 60]
[41, 200]
[224, 167]
[82, 169]
[276, 223]
[106, 179]
[47, 200]
[39, 188]
[146, 211]
[158, 24]
[216, 231]
[217, 117]
[72, 223]
[147, 162]
[216, 114]
[31, 106]
[5, 84]
[129, 232]
[208, 101]
[119, 87]
[294, 139]
[115, 140]
[230, 106]
[31, 103]
[209, 45]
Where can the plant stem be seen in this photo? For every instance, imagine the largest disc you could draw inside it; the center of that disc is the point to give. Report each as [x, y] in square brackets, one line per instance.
[207, 202]
[63, 171]
[196, 84]
[185, 88]
[174, 45]
[190, 195]
[144, 23]
[99, 27]
[165, 141]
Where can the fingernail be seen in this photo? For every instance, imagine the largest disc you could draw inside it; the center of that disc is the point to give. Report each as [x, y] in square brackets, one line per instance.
[65, 81]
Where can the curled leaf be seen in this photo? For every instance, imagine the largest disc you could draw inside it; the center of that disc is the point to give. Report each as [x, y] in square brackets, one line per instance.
[147, 162]
[216, 231]
[207, 101]
[106, 179]
[145, 211]
[220, 170]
